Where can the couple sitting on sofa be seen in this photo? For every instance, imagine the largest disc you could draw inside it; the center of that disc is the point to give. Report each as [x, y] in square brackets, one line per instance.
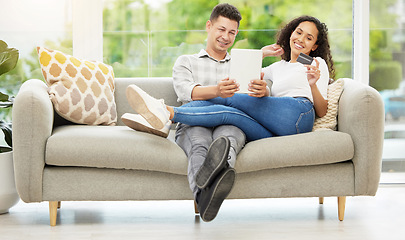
[215, 121]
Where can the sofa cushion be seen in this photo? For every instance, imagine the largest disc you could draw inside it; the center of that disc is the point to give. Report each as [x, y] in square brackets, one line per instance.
[81, 91]
[120, 147]
[314, 148]
[329, 121]
[116, 147]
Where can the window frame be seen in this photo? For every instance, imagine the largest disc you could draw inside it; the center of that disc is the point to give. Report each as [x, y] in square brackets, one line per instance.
[87, 29]
[361, 41]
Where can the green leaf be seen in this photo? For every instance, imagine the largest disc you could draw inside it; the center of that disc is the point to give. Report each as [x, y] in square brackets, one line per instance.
[5, 149]
[8, 57]
[3, 45]
[6, 128]
[3, 97]
[5, 100]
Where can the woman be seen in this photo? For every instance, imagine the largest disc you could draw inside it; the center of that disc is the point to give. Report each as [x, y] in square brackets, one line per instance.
[298, 91]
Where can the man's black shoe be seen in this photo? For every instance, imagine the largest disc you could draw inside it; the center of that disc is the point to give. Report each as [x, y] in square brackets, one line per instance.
[209, 200]
[214, 163]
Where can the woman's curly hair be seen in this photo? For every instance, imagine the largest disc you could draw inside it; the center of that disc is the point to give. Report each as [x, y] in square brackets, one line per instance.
[323, 49]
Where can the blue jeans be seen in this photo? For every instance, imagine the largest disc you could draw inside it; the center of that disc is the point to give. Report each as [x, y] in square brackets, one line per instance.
[257, 117]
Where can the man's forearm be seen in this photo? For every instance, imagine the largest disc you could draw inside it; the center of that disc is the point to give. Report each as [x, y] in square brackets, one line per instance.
[204, 92]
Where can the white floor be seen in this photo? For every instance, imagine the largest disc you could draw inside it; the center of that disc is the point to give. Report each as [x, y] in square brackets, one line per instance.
[366, 218]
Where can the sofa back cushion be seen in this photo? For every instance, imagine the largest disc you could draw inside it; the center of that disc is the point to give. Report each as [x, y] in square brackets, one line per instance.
[158, 87]
[329, 121]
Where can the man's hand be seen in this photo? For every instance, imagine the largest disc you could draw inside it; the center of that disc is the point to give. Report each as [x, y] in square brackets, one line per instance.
[258, 87]
[227, 88]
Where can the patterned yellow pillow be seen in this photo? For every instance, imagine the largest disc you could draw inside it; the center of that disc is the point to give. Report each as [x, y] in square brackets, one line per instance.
[81, 91]
[329, 121]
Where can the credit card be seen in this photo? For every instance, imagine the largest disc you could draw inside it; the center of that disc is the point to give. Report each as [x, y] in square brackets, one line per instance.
[304, 59]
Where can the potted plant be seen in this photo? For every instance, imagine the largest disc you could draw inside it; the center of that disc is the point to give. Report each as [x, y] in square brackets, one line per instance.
[8, 193]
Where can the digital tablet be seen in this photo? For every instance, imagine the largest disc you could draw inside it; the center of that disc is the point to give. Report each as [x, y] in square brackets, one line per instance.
[246, 65]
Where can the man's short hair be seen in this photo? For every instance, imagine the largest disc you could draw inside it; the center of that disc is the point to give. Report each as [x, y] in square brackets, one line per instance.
[226, 10]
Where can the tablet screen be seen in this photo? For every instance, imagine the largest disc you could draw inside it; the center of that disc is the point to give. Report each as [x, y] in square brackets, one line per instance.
[246, 65]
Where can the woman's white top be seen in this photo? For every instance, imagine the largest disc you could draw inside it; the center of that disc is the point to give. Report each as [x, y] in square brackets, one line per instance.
[290, 79]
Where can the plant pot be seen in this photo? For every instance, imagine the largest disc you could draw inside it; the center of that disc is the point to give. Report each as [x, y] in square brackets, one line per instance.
[8, 193]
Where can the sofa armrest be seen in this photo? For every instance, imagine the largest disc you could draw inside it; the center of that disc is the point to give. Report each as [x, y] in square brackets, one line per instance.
[32, 125]
[361, 114]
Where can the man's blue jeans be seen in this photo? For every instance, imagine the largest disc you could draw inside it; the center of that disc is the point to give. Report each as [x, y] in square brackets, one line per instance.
[257, 117]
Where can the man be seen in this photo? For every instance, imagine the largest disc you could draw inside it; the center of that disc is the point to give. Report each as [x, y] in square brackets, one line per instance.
[211, 152]
[203, 76]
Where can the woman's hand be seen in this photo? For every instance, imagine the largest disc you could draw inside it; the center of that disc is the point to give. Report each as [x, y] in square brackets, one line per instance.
[313, 73]
[273, 50]
[258, 87]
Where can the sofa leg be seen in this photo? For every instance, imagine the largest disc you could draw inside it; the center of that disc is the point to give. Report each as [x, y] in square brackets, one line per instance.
[196, 208]
[341, 207]
[320, 200]
[59, 204]
[53, 212]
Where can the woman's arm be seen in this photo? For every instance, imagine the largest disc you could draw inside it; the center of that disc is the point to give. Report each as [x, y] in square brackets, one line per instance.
[313, 75]
[320, 104]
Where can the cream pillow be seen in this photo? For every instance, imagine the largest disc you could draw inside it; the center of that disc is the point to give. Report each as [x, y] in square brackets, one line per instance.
[81, 91]
[329, 121]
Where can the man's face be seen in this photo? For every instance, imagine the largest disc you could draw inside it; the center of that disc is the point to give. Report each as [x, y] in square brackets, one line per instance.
[221, 34]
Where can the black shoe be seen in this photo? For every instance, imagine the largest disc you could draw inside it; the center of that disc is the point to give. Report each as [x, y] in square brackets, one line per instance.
[209, 200]
[214, 163]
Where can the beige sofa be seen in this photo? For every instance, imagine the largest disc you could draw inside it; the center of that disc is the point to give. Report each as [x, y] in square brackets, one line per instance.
[55, 161]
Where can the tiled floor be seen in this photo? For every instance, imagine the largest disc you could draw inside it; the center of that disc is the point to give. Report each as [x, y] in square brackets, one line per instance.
[368, 218]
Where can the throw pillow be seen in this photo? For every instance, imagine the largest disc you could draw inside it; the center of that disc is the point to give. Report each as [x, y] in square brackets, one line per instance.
[81, 91]
[329, 121]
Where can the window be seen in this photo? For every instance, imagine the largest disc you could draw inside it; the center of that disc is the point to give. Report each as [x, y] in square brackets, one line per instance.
[25, 25]
[144, 38]
[387, 68]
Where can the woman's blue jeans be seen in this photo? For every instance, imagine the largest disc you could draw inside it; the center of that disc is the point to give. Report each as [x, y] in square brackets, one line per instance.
[257, 117]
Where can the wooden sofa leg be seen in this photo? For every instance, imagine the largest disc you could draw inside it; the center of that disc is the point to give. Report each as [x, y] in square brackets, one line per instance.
[196, 208]
[341, 207]
[59, 204]
[53, 212]
[320, 200]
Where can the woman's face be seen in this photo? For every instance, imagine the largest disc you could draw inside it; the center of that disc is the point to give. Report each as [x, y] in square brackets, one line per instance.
[303, 39]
